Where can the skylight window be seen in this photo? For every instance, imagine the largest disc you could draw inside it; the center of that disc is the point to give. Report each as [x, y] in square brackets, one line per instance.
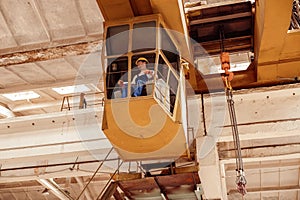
[71, 89]
[211, 64]
[21, 95]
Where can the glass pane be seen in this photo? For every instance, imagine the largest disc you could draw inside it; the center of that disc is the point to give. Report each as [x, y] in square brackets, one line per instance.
[173, 83]
[144, 36]
[295, 20]
[117, 70]
[162, 70]
[166, 86]
[117, 40]
[166, 42]
[169, 49]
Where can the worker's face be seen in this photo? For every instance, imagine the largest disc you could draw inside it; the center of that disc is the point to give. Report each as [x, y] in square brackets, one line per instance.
[141, 65]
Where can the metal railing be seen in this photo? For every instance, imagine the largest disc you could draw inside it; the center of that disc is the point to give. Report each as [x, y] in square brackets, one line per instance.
[82, 101]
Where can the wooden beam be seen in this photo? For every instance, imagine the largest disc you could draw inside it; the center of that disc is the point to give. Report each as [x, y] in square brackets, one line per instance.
[189, 169]
[176, 180]
[110, 190]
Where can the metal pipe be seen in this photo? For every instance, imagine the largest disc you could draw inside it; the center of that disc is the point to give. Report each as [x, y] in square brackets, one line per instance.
[87, 193]
[203, 114]
[55, 189]
[111, 177]
[55, 165]
[105, 159]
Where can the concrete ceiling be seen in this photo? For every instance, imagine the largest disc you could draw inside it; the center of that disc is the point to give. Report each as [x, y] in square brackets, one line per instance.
[46, 44]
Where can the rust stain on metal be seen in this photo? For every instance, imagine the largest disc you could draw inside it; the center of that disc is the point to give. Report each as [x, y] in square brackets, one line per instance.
[50, 53]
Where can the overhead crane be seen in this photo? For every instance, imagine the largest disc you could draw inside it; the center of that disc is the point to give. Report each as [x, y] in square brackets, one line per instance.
[153, 125]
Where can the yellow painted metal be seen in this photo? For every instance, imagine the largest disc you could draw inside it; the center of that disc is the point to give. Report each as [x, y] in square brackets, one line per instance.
[140, 129]
[274, 20]
[291, 48]
[116, 9]
[277, 48]
[173, 15]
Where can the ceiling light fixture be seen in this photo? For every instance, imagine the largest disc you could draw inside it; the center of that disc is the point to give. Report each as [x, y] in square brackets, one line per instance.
[6, 111]
[21, 95]
[71, 89]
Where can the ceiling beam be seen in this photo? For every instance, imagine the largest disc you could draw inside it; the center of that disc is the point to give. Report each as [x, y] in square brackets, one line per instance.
[50, 53]
[270, 189]
[236, 44]
[261, 159]
[64, 174]
[261, 142]
[93, 100]
[5, 23]
[14, 194]
[211, 5]
[269, 151]
[220, 18]
[38, 12]
[265, 165]
[92, 79]
[28, 195]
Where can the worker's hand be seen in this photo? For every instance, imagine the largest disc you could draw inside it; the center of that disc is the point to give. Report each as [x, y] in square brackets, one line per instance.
[148, 72]
[121, 83]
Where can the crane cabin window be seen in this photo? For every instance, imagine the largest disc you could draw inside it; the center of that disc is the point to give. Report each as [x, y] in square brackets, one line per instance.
[140, 80]
[144, 36]
[116, 70]
[117, 39]
[166, 85]
[169, 49]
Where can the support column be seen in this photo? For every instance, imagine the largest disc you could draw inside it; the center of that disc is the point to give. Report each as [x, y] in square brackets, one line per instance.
[209, 172]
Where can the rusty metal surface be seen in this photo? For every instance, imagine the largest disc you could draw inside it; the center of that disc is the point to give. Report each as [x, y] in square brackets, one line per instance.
[168, 185]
